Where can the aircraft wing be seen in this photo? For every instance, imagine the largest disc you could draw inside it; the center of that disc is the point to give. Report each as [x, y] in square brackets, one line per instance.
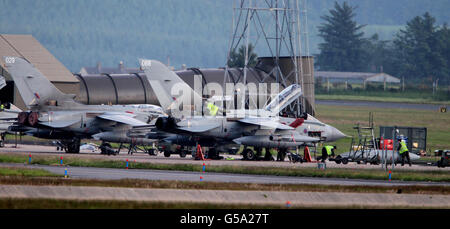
[10, 114]
[4, 116]
[199, 128]
[122, 119]
[59, 124]
[265, 122]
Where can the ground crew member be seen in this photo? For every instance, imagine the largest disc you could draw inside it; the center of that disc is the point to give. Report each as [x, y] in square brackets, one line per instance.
[327, 151]
[212, 109]
[2, 107]
[403, 151]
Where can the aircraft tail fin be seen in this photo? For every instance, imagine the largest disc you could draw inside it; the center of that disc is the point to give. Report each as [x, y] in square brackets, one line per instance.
[284, 98]
[165, 83]
[33, 86]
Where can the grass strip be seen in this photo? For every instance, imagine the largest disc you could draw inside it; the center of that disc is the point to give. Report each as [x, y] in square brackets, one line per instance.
[375, 174]
[21, 172]
[378, 98]
[162, 184]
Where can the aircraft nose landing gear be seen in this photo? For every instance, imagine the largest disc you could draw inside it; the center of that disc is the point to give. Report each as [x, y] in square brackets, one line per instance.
[72, 146]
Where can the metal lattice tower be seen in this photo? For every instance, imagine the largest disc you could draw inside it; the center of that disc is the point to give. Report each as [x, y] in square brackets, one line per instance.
[278, 30]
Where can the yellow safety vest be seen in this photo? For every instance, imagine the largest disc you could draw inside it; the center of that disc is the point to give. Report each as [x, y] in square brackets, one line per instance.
[403, 147]
[329, 148]
[212, 109]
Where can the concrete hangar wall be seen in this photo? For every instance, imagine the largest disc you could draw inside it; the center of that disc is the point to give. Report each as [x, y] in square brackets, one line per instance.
[28, 47]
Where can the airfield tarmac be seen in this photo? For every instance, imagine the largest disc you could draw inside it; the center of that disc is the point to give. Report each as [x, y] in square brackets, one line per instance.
[148, 174]
[256, 198]
[234, 160]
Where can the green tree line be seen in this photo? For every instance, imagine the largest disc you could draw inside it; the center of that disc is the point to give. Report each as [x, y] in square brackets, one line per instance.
[195, 32]
[419, 52]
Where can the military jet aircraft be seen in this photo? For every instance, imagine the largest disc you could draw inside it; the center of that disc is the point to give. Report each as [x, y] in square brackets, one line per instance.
[248, 130]
[55, 115]
[8, 117]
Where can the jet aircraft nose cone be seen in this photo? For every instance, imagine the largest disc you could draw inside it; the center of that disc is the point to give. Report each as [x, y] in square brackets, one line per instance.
[334, 134]
[338, 134]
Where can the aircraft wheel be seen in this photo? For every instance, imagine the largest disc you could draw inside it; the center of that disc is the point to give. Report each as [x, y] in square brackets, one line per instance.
[344, 161]
[74, 146]
[338, 159]
[167, 153]
[151, 152]
[183, 153]
[104, 148]
[249, 155]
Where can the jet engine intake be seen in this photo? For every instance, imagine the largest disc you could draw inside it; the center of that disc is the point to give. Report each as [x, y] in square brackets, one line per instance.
[165, 123]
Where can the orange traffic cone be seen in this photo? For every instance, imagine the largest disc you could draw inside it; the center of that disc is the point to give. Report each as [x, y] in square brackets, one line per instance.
[199, 155]
[307, 155]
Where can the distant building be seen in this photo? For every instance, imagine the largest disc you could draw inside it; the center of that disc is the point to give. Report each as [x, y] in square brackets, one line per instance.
[354, 77]
[28, 47]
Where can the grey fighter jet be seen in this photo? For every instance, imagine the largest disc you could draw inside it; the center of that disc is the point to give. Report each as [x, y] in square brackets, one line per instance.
[8, 116]
[55, 115]
[218, 129]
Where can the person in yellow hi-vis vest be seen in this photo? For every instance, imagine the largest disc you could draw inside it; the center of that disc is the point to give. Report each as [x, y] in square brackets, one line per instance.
[327, 151]
[212, 109]
[403, 151]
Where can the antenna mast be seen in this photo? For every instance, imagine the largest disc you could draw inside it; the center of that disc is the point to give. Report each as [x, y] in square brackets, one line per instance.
[277, 29]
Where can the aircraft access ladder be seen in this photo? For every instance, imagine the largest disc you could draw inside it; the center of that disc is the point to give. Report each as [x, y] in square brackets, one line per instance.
[364, 148]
